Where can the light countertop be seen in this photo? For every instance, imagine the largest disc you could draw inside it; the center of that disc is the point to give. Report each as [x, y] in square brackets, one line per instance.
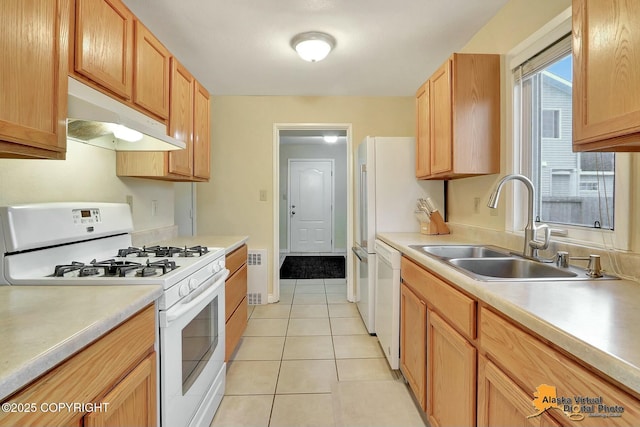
[230, 243]
[596, 321]
[40, 326]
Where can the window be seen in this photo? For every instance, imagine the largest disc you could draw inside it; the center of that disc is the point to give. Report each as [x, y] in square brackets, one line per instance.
[551, 123]
[575, 189]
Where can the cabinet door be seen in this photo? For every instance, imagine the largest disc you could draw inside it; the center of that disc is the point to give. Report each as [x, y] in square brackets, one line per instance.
[501, 403]
[33, 78]
[413, 340]
[451, 376]
[181, 118]
[104, 44]
[151, 72]
[606, 62]
[201, 132]
[423, 161]
[132, 402]
[441, 120]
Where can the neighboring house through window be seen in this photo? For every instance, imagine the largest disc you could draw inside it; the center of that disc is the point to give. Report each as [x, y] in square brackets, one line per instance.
[572, 188]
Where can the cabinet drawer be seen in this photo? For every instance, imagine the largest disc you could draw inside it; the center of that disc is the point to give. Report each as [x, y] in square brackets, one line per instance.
[235, 290]
[87, 374]
[236, 258]
[457, 308]
[236, 324]
[530, 362]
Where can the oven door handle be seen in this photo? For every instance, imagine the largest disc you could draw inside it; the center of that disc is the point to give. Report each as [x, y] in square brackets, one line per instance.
[210, 287]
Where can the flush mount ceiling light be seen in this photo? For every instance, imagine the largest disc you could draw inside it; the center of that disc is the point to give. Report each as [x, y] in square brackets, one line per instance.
[313, 46]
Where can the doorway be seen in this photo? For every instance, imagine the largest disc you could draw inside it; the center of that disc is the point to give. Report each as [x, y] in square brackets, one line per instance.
[303, 160]
[310, 204]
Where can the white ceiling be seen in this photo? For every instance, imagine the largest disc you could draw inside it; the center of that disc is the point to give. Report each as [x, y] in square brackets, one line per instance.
[384, 47]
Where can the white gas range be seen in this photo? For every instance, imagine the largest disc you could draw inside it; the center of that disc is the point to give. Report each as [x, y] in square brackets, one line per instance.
[90, 244]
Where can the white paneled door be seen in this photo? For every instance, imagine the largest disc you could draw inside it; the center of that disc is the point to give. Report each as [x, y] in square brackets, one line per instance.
[311, 205]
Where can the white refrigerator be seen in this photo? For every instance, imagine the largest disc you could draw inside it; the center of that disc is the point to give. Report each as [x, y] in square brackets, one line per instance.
[386, 194]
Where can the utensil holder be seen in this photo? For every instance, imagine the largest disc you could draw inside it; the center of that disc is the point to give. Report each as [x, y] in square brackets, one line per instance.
[435, 226]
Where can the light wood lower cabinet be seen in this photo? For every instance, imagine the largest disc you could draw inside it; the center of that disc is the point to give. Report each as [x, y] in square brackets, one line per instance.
[501, 403]
[530, 363]
[437, 358]
[124, 400]
[235, 299]
[413, 342]
[451, 375]
[482, 367]
[119, 370]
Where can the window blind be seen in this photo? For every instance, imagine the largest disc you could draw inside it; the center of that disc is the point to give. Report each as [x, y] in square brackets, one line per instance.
[539, 61]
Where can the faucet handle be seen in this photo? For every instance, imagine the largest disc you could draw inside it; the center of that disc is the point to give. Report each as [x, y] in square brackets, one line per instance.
[537, 244]
[562, 259]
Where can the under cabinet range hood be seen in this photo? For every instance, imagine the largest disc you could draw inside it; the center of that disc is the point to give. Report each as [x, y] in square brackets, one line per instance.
[97, 119]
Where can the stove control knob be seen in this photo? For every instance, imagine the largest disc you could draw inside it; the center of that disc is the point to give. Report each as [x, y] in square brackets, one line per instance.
[193, 284]
[184, 290]
[216, 267]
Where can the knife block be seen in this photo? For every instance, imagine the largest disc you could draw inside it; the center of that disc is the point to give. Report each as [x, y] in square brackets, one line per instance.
[435, 226]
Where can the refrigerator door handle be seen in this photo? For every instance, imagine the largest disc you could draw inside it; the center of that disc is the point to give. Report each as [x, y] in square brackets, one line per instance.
[362, 256]
[363, 206]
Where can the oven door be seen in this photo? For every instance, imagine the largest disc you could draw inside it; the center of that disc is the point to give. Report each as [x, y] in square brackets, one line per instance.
[192, 339]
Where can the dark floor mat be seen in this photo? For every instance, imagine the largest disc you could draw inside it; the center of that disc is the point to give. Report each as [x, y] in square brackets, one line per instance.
[313, 267]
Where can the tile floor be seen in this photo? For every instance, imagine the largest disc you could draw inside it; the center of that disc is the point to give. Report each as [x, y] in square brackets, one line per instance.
[295, 353]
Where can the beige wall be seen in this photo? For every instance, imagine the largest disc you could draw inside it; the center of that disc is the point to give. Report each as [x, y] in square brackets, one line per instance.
[516, 21]
[242, 153]
[88, 174]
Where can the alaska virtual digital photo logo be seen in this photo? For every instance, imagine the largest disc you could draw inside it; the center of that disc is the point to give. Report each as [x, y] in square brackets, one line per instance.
[576, 408]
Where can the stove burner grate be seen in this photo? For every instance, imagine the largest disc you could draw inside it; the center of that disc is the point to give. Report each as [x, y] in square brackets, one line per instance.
[163, 251]
[61, 270]
[112, 267]
[164, 264]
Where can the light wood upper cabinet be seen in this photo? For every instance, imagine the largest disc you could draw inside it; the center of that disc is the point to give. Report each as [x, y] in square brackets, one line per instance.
[189, 121]
[423, 159]
[181, 118]
[441, 148]
[33, 78]
[104, 44]
[462, 119]
[606, 79]
[201, 132]
[151, 72]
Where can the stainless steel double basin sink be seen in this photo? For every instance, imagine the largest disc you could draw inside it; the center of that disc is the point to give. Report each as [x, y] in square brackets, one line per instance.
[489, 263]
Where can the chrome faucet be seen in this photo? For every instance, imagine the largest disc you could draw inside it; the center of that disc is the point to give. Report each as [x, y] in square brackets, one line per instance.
[531, 244]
